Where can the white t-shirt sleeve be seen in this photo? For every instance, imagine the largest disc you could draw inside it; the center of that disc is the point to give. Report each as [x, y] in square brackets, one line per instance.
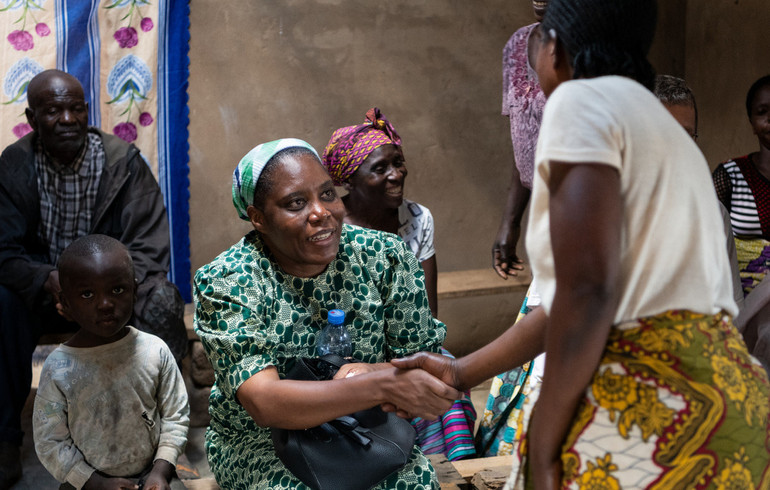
[416, 229]
[426, 242]
[577, 129]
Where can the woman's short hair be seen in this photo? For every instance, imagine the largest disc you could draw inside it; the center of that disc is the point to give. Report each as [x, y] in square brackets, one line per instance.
[673, 90]
[265, 182]
[762, 82]
[605, 37]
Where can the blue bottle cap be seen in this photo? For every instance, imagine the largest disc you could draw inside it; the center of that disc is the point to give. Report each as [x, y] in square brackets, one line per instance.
[336, 317]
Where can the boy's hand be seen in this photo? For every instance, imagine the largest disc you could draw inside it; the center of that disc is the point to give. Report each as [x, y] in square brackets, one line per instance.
[162, 472]
[155, 482]
[99, 482]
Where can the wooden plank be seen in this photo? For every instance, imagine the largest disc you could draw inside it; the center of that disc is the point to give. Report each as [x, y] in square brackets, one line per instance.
[478, 282]
[489, 480]
[467, 468]
[208, 483]
[447, 475]
[456, 284]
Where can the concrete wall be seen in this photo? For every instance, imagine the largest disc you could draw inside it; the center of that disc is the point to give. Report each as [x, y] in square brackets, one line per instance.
[265, 69]
[727, 50]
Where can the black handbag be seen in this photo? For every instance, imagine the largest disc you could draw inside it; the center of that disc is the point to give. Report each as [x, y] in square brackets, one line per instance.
[353, 452]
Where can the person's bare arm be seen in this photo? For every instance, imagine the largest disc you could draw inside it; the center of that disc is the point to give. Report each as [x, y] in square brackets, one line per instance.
[290, 404]
[504, 259]
[51, 284]
[522, 342]
[431, 283]
[52, 287]
[585, 216]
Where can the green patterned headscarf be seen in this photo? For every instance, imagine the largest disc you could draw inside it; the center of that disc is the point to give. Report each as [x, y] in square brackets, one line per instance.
[249, 169]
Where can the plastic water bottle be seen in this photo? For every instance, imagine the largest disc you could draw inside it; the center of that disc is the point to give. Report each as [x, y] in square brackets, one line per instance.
[334, 338]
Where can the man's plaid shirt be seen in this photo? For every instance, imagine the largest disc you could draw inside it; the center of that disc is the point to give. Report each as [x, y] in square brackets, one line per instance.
[68, 194]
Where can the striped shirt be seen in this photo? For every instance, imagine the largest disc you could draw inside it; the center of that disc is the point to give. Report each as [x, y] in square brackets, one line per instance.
[735, 193]
[68, 194]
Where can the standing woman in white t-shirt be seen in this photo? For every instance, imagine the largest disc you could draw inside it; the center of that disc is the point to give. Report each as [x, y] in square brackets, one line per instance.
[648, 384]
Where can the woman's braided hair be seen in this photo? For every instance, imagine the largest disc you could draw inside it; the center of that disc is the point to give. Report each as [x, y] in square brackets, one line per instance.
[605, 37]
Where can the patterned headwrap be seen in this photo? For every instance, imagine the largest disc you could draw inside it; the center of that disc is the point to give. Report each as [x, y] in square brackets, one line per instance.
[249, 169]
[349, 146]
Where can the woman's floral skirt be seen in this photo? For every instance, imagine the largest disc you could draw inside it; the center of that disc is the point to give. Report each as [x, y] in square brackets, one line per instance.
[677, 402]
[499, 422]
[753, 261]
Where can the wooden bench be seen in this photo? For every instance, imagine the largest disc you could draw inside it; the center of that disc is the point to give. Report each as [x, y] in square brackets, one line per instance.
[485, 473]
[456, 284]
[466, 474]
[447, 475]
[479, 282]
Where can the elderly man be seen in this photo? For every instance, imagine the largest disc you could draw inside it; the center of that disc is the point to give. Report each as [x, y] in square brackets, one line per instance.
[60, 182]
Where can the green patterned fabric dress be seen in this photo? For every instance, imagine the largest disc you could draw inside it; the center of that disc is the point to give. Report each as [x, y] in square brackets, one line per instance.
[251, 315]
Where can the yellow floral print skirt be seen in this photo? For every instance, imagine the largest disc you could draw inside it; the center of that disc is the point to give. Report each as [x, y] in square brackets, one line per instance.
[677, 402]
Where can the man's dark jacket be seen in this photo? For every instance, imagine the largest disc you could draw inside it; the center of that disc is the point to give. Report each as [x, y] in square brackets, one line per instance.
[129, 207]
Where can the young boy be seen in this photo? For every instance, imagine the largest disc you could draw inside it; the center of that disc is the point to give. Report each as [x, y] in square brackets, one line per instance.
[111, 410]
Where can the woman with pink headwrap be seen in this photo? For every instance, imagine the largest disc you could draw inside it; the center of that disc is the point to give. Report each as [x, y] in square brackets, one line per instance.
[367, 160]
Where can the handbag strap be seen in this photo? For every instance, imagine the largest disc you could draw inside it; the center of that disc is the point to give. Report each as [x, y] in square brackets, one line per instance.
[350, 427]
[315, 368]
[334, 360]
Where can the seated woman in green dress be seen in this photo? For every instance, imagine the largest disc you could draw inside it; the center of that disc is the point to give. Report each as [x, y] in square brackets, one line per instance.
[261, 303]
